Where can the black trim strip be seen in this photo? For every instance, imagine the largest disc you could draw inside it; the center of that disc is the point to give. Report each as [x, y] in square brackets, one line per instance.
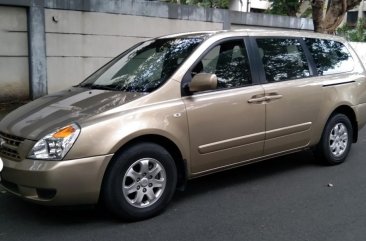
[309, 57]
[341, 83]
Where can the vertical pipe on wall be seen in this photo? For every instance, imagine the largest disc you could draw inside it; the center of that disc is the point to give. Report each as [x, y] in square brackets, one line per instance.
[37, 49]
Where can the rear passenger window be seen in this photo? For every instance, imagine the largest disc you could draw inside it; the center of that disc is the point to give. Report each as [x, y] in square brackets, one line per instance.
[330, 57]
[283, 59]
[229, 61]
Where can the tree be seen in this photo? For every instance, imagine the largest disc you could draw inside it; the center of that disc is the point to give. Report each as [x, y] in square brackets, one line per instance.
[357, 34]
[282, 7]
[335, 12]
[327, 14]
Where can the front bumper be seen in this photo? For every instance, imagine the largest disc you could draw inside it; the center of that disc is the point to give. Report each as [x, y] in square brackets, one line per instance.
[69, 182]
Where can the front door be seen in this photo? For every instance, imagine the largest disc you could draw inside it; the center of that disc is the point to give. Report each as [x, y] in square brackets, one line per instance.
[226, 125]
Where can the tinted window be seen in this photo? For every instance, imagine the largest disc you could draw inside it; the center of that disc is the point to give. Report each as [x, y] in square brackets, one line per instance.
[229, 61]
[330, 56]
[144, 68]
[283, 59]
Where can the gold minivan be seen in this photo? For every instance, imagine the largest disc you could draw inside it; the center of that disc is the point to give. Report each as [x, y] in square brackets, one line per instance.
[179, 107]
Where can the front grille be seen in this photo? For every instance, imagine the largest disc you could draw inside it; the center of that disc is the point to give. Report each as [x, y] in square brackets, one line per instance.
[9, 145]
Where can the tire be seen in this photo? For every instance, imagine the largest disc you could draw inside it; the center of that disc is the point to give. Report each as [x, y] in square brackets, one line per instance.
[140, 182]
[336, 140]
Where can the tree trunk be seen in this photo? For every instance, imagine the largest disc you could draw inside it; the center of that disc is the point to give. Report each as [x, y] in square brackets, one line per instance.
[317, 7]
[334, 14]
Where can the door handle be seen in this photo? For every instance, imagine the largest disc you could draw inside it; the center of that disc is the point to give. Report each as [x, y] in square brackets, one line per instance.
[257, 100]
[267, 98]
[273, 97]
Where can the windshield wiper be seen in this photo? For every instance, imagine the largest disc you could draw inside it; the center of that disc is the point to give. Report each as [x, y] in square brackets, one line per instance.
[103, 87]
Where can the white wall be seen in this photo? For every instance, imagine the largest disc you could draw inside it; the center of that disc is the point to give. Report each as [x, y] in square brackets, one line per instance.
[260, 4]
[360, 49]
[80, 42]
[243, 5]
[237, 5]
[14, 81]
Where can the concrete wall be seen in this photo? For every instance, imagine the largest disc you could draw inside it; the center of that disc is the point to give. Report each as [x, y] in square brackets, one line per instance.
[267, 20]
[80, 42]
[69, 39]
[13, 53]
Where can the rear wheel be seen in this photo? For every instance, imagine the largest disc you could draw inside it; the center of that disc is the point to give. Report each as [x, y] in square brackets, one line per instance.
[140, 182]
[336, 140]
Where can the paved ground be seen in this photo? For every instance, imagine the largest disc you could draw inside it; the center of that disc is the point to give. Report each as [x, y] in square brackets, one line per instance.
[282, 199]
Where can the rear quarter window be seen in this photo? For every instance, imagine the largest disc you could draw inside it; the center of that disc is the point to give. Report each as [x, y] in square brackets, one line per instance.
[331, 57]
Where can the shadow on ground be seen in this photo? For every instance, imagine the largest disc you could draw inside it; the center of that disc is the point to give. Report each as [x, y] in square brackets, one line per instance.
[248, 173]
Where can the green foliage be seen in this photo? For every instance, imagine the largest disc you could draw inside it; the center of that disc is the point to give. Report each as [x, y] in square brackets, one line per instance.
[282, 7]
[203, 3]
[357, 34]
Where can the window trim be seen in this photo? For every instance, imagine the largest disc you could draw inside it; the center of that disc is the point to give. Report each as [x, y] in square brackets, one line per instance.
[309, 57]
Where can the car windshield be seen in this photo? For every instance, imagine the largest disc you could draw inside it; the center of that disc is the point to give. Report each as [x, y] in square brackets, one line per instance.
[143, 68]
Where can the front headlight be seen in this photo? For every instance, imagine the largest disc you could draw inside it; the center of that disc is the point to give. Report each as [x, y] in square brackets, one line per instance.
[55, 145]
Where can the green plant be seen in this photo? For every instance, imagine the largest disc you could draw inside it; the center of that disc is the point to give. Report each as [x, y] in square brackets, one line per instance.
[282, 7]
[356, 34]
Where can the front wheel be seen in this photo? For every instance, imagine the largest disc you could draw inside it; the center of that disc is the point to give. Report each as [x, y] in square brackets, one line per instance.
[140, 182]
[336, 140]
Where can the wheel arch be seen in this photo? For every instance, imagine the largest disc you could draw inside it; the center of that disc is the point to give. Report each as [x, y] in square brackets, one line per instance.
[167, 144]
[350, 113]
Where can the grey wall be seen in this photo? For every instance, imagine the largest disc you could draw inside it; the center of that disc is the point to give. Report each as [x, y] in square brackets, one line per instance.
[80, 42]
[68, 39]
[268, 20]
[13, 53]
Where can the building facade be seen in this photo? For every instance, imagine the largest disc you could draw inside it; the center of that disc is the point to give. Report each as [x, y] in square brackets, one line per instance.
[256, 6]
[355, 14]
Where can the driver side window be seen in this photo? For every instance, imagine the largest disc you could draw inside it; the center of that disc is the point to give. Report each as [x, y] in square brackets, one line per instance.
[229, 61]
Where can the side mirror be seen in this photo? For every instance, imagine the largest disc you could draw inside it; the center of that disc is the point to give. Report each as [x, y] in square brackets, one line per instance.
[202, 82]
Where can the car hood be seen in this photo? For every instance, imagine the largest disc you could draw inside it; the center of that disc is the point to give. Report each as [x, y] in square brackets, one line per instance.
[37, 118]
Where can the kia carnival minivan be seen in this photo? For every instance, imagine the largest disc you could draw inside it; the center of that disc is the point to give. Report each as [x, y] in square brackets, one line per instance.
[179, 107]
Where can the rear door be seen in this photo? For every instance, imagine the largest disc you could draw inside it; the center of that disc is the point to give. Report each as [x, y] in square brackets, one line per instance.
[226, 125]
[292, 93]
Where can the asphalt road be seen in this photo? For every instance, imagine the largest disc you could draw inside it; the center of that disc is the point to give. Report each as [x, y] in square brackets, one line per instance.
[282, 199]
